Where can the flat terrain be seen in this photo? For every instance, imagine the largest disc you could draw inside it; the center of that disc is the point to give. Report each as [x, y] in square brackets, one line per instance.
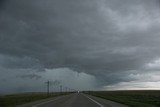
[77, 100]
[98, 99]
[18, 99]
[136, 98]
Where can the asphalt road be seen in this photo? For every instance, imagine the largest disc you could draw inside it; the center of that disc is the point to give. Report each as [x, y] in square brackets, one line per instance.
[77, 100]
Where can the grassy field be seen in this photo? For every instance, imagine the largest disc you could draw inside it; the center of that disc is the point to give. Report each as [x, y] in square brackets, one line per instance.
[18, 99]
[131, 98]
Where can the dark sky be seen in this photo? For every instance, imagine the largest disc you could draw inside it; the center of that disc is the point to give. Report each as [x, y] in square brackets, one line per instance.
[100, 44]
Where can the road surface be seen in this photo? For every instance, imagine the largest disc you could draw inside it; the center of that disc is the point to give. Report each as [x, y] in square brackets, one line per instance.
[77, 100]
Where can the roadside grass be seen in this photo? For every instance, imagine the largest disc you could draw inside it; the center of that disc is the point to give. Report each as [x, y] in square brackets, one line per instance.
[139, 98]
[19, 99]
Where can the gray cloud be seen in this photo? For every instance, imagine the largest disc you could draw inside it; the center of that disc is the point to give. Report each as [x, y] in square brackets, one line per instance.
[29, 80]
[31, 76]
[106, 39]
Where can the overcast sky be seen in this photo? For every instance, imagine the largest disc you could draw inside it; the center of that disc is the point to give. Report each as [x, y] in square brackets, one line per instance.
[83, 44]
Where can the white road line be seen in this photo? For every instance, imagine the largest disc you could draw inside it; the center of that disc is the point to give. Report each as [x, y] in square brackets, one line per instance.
[45, 102]
[94, 101]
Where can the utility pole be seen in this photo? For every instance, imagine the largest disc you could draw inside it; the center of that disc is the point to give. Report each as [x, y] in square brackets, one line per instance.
[66, 89]
[61, 88]
[48, 84]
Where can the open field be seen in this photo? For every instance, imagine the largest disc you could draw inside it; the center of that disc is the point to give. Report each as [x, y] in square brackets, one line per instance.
[18, 99]
[131, 98]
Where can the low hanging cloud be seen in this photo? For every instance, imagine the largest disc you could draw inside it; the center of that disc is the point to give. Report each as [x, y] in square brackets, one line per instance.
[105, 39]
[31, 76]
[22, 80]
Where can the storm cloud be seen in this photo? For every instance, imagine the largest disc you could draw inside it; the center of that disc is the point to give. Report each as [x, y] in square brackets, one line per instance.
[109, 40]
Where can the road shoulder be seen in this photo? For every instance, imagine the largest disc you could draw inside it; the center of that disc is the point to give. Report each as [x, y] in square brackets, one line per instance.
[107, 103]
[40, 101]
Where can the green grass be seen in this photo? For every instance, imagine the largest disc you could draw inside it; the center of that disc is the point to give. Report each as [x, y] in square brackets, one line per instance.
[19, 99]
[132, 98]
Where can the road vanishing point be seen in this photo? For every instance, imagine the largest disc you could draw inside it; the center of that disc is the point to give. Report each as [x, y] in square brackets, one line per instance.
[76, 100]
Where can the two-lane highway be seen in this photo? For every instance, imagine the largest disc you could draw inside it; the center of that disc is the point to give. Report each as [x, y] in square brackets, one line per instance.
[77, 100]
[74, 100]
